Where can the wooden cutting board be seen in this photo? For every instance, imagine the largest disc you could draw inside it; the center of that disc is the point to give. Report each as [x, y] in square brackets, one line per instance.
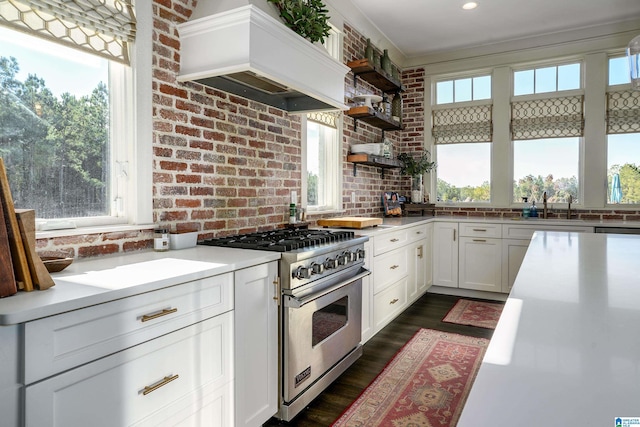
[39, 274]
[7, 278]
[350, 222]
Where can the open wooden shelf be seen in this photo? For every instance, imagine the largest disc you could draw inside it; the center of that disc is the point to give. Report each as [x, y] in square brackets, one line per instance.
[373, 117]
[372, 160]
[374, 75]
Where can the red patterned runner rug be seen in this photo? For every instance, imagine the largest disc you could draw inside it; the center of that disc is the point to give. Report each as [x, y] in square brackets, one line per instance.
[474, 313]
[426, 383]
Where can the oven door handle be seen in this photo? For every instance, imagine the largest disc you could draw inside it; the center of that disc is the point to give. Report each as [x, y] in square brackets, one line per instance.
[294, 302]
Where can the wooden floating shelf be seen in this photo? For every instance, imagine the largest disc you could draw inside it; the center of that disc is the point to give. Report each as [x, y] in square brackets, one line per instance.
[374, 118]
[373, 75]
[372, 160]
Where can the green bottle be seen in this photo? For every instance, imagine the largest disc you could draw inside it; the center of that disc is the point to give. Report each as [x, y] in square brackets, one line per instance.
[385, 62]
[368, 52]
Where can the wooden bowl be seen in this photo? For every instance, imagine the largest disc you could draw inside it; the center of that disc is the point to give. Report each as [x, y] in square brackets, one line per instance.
[55, 264]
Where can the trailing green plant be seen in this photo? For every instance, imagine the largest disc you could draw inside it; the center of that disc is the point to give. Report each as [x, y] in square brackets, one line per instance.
[306, 17]
[415, 166]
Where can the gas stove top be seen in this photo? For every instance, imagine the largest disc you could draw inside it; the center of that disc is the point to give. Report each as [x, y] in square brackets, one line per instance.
[282, 240]
[308, 255]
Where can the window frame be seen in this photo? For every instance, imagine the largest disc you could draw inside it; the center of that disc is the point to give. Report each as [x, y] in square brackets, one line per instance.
[333, 162]
[131, 134]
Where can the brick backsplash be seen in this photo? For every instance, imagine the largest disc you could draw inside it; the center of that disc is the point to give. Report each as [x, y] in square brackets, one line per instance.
[223, 164]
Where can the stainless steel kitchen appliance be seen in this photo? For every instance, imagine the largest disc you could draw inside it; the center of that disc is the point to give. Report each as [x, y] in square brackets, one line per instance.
[321, 275]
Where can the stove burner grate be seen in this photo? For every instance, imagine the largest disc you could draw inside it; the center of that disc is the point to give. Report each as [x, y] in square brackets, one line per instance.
[281, 240]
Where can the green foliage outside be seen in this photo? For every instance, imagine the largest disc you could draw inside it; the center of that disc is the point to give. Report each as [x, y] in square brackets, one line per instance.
[558, 190]
[55, 149]
[629, 182]
[312, 189]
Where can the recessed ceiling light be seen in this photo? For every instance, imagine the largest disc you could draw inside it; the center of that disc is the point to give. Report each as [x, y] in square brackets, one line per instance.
[470, 5]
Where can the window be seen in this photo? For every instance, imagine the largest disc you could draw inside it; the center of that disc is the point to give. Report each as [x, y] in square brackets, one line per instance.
[70, 156]
[54, 127]
[546, 133]
[549, 165]
[464, 172]
[322, 163]
[547, 79]
[461, 90]
[623, 139]
[462, 132]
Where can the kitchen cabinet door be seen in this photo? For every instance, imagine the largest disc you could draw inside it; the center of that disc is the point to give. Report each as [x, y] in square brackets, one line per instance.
[10, 376]
[445, 254]
[256, 344]
[182, 378]
[417, 280]
[481, 264]
[513, 252]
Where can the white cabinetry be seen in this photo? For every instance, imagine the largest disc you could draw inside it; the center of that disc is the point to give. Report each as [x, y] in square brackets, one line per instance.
[10, 376]
[159, 358]
[445, 254]
[256, 344]
[419, 256]
[163, 382]
[401, 271]
[367, 295]
[513, 252]
[480, 257]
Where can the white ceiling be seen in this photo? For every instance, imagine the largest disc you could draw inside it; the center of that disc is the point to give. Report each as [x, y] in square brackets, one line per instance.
[423, 27]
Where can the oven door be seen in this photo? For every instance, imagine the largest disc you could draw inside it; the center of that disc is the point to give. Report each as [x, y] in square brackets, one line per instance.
[320, 329]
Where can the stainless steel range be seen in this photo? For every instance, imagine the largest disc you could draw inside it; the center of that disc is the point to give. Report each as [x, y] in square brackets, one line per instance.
[321, 275]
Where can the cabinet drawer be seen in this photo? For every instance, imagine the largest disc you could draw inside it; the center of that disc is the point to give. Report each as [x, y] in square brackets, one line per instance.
[417, 233]
[480, 230]
[111, 391]
[389, 241]
[526, 232]
[57, 343]
[389, 303]
[388, 268]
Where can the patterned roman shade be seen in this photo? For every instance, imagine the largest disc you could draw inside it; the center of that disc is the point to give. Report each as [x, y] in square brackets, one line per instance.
[463, 124]
[102, 27]
[327, 118]
[623, 112]
[559, 117]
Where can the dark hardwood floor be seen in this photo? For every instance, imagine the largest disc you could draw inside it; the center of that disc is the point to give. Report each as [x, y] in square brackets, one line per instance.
[426, 312]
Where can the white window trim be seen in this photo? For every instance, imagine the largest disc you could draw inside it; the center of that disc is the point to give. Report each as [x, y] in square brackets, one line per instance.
[131, 110]
[336, 197]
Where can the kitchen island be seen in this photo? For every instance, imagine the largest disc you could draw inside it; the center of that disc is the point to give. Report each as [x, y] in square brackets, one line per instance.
[566, 349]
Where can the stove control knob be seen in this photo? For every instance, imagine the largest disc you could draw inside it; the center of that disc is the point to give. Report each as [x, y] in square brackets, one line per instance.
[302, 273]
[316, 268]
[341, 259]
[330, 263]
[351, 256]
[360, 253]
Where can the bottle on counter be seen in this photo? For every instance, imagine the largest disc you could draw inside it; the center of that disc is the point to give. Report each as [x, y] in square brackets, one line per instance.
[292, 213]
[526, 211]
[533, 212]
[368, 51]
[160, 240]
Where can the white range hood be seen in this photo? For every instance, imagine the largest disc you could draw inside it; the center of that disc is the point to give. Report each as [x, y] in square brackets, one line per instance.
[248, 52]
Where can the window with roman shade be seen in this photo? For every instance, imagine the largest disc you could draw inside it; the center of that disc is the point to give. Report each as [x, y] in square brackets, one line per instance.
[557, 117]
[463, 124]
[623, 112]
[102, 27]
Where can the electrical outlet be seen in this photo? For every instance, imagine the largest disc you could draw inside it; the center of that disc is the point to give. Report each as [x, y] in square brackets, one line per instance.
[353, 197]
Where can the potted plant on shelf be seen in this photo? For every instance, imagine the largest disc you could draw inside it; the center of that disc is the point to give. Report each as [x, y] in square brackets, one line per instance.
[416, 167]
[308, 18]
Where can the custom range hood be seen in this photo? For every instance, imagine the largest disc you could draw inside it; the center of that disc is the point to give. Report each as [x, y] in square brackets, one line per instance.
[246, 51]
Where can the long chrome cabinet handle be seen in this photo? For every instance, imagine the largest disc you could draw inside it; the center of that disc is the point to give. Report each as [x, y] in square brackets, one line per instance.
[480, 240]
[164, 312]
[166, 380]
[393, 301]
[479, 229]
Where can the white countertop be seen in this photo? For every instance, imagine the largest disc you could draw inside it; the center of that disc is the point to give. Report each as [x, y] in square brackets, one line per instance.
[566, 351]
[93, 281]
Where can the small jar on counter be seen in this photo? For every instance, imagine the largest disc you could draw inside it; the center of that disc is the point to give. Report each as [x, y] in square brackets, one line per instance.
[160, 240]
